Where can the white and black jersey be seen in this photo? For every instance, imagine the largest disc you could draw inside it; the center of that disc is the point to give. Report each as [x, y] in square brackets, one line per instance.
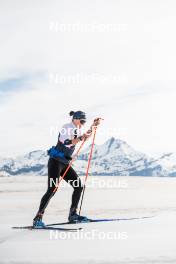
[68, 132]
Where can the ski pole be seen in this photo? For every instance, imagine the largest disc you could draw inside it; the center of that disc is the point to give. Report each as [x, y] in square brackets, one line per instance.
[88, 166]
[70, 164]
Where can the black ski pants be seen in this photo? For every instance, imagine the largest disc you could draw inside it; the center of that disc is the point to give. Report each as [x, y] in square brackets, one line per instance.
[55, 170]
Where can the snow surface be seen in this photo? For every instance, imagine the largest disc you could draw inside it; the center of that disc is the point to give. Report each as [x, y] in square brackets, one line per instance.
[150, 238]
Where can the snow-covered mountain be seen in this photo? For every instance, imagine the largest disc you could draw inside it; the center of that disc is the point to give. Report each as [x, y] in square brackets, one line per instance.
[32, 163]
[168, 161]
[114, 157]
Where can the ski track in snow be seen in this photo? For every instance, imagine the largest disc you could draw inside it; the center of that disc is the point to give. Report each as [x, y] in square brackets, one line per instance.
[147, 205]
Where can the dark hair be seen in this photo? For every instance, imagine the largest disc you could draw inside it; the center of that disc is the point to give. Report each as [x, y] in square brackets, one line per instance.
[71, 113]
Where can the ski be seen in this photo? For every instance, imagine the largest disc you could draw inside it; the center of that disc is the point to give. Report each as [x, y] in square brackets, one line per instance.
[84, 222]
[100, 220]
[48, 228]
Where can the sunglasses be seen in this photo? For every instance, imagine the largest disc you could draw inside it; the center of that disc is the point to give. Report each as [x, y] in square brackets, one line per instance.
[82, 121]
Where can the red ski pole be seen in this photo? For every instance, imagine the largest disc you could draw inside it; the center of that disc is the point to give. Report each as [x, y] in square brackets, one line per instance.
[70, 164]
[88, 166]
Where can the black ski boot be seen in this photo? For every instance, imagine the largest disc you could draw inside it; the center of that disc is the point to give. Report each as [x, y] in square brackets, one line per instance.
[75, 218]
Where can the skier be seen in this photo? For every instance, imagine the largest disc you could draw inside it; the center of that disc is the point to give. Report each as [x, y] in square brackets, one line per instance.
[59, 159]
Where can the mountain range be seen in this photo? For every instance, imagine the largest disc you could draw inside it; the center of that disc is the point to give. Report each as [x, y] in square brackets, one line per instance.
[114, 157]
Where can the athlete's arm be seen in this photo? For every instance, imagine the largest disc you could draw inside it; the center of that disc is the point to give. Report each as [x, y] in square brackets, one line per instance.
[88, 134]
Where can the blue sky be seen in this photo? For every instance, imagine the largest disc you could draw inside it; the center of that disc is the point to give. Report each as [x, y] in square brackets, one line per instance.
[139, 106]
[11, 84]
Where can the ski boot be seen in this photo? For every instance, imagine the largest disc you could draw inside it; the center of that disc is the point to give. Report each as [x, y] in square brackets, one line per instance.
[75, 218]
[38, 223]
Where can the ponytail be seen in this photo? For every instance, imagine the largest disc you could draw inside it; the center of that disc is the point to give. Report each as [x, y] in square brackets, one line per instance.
[71, 113]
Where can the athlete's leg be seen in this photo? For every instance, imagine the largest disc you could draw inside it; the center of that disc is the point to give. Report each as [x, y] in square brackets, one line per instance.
[73, 179]
[54, 170]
